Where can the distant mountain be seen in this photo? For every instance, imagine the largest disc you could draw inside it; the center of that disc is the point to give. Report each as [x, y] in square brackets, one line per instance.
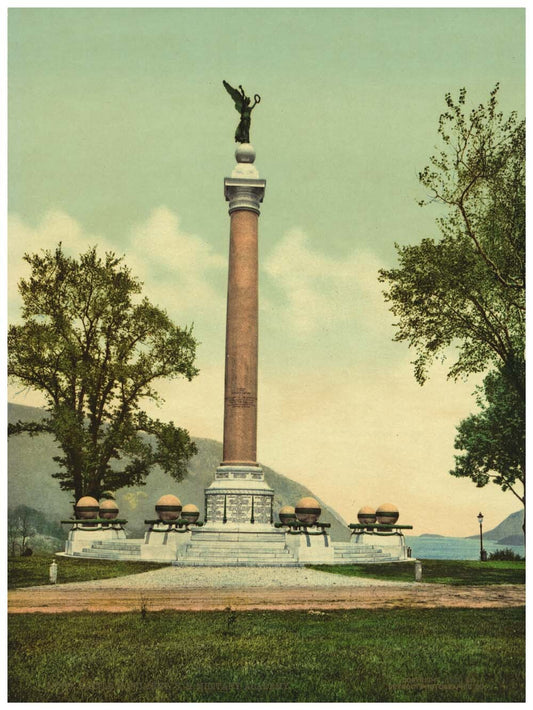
[30, 466]
[509, 528]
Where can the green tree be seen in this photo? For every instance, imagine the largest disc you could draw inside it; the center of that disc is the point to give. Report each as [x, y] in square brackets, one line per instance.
[463, 295]
[493, 440]
[466, 291]
[96, 350]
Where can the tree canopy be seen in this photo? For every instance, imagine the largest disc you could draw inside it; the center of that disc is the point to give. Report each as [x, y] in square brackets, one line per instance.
[96, 349]
[493, 441]
[463, 295]
[467, 289]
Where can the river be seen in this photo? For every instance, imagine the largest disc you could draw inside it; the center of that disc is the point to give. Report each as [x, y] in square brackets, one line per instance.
[454, 548]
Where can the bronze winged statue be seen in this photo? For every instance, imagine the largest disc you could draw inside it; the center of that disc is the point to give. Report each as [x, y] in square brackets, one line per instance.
[242, 104]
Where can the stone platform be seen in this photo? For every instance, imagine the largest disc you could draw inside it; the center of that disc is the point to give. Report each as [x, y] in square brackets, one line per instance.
[216, 545]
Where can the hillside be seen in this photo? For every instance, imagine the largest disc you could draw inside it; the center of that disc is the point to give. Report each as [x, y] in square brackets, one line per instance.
[508, 532]
[30, 466]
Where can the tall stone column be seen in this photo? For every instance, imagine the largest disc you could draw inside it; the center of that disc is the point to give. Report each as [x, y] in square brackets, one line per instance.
[239, 494]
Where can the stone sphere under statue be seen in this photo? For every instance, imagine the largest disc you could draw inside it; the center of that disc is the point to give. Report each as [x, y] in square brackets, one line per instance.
[287, 514]
[190, 513]
[366, 515]
[108, 509]
[87, 508]
[387, 514]
[168, 508]
[307, 510]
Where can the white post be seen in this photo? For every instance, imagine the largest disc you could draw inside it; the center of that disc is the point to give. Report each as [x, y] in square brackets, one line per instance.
[418, 571]
[53, 572]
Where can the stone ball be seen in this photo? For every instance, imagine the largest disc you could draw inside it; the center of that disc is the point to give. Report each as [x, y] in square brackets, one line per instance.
[168, 507]
[387, 514]
[286, 514]
[108, 509]
[245, 153]
[366, 515]
[190, 513]
[307, 510]
[87, 508]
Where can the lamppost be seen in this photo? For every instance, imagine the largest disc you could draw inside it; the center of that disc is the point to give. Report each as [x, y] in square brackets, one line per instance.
[482, 553]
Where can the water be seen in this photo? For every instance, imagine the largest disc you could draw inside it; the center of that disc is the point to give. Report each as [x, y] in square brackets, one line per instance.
[454, 548]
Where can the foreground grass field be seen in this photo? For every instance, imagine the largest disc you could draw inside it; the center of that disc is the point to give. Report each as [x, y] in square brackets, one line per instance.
[34, 570]
[342, 656]
[456, 572]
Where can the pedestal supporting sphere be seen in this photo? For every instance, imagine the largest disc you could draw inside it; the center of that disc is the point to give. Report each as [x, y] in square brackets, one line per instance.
[308, 510]
[168, 508]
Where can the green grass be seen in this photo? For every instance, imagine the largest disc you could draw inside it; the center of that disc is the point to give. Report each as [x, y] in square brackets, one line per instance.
[34, 570]
[381, 655]
[456, 572]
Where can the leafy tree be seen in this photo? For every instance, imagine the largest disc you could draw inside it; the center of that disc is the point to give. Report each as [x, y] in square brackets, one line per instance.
[96, 350]
[493, 440]
[467, 289]
[21, 528]
[463, 295]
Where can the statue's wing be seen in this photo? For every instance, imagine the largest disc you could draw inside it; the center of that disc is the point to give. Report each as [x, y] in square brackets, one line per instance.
[235, 95]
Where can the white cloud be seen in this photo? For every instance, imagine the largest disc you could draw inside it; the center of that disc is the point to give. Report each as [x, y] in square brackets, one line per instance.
[177, 268]
[56, 226]
[318, 288]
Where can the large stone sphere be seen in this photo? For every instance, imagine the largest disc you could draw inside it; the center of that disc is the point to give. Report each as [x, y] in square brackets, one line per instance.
[287, 514]
[108, 509]
[87, 508]
[190, 513]
[307, 510]
[387, 514]
[245, 153]
[366, 515]
[168, 508]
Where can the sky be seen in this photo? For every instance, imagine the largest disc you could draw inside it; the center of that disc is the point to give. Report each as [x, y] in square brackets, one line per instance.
[120, 136]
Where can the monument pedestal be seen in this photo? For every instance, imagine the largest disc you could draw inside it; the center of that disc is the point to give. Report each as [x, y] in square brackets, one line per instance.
[82, 537]
[239, 495]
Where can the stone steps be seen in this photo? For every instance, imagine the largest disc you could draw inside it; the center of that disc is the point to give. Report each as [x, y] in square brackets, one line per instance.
[240, 537]
[101, 544]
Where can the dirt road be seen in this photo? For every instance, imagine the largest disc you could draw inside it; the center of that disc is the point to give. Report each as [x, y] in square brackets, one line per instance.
[64, 599]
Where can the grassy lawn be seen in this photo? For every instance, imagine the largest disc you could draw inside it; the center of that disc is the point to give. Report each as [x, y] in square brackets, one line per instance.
[456, 572]
[382, 655]
[34, 570]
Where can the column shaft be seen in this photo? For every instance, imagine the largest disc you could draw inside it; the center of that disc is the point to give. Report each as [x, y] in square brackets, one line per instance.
[240, 390]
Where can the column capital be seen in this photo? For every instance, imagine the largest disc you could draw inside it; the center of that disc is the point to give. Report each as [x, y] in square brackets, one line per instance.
[244, 193]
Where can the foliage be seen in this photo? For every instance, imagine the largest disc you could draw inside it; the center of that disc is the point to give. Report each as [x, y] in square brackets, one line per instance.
[377, 655]
[454, 572]
[507, 555]
[96, 350]
[494, 439]
[468, 289]
[20, 529]
[33, 571]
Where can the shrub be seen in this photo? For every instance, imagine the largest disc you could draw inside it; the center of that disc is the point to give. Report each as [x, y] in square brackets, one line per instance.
[508, 555]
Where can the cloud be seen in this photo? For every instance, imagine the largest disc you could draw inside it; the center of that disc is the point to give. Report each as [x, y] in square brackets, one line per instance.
[318, 289]
[181, 270]
[56, 226]
[177, 269]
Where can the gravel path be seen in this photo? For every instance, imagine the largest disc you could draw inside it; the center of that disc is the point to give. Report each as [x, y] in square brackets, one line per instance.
[229, 578]
[247, 588]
